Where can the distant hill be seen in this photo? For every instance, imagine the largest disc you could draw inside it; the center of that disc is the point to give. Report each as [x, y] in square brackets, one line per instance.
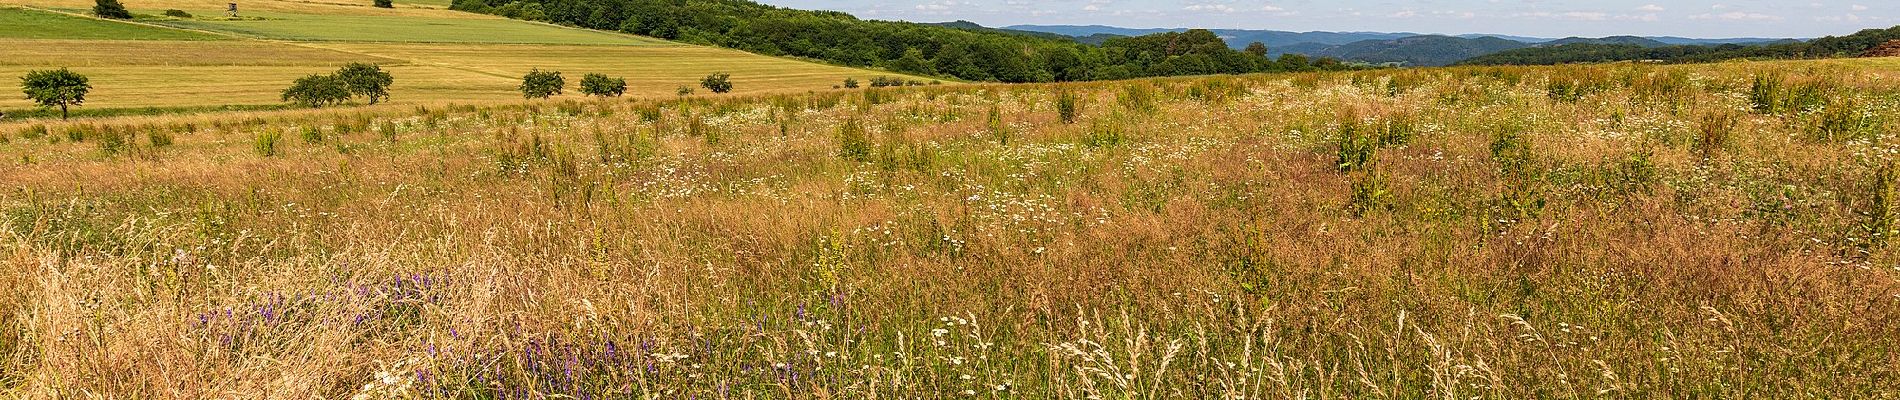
[1236, 38]
[972, 26]
[1424, 50]
[1831, 46]
[1628, 40]
[1386, 47]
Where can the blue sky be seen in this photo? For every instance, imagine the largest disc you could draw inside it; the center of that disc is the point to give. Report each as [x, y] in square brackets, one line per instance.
[1548, 18]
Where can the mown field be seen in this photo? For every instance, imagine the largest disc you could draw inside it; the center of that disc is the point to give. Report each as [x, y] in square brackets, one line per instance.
[437, 56]
[1626, 231]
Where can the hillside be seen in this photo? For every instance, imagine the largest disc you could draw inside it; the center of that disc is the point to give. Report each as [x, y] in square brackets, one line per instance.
[960, 50]
[436, 55]
[1419, 50]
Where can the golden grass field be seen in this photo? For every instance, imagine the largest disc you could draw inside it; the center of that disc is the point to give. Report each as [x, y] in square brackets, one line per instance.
[1613, 231]
[437, 56]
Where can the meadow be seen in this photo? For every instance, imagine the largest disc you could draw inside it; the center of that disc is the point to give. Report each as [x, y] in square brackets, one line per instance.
[437, 56]
[1613, 231]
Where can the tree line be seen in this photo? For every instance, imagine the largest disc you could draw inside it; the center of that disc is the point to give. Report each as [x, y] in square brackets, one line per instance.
[911, 48]
[1831, 46]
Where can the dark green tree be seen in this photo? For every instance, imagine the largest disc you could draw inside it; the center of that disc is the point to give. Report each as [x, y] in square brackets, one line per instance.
[55, 88]
[717, 83]
[367, 80]
[540, 84]
[913, 62]
[850, 83]
[110, 9]
[317, 91]
[601, 85]
[384, 4]
[1256, 49]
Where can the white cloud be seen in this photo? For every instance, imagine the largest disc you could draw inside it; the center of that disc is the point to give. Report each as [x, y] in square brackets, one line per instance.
[1221, 8]
[1650, 8]
[1738, 16]
[1858, 7]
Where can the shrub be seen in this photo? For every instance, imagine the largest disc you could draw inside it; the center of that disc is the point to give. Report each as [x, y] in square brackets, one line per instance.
[384, 4]
[1107, 132]
[317, 91]
[158, 138]
[1066, 106]
[33, 132]
[853, 143]
[998, 130]
[717, 83]
[112, 141]
[312, 134]
[684, 90]
[177, 14]
[110, 9]
[1138, 98]
[885, 81]
[265, 143]
[1716, 128]
[538, 84]
[1355, 145]
[601, 85]
[1764, 94]
[850, 83]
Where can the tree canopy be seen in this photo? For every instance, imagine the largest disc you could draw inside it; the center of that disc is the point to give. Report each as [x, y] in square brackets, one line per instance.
[56, 88]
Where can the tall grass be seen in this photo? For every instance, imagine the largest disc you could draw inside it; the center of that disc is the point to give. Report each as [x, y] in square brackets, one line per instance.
[1439, 233]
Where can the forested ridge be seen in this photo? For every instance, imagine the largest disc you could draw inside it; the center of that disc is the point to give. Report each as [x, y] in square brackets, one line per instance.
[977, 54]
[1831, 46]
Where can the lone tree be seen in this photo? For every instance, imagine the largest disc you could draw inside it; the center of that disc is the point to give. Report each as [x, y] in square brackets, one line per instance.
[717, 83]
[367, 80]
[850, 83]
[317, 91]
[110, 9]
[601, 85]
[55, 88]
[385, 4]
[541, 84]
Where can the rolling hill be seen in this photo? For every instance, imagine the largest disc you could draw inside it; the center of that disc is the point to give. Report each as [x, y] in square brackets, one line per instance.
[436, 55]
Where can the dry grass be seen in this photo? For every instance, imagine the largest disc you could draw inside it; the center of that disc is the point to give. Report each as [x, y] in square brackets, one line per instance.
[1503, 240]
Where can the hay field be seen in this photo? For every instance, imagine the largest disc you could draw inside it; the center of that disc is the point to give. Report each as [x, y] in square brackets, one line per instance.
[437, 56]
[1625, 231]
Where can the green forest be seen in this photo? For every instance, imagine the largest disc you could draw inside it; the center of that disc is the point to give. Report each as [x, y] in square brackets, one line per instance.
[1831, 46]
[913, 48]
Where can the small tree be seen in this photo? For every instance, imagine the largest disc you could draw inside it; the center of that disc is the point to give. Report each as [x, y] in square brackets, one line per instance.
[177, 14]
[367, 80]
[685, 90]
[110, 9]
[717, 83]
[540, 84]
[385, 4]
[317, 91]
[55, 88]
[601, 85]
[850, 83]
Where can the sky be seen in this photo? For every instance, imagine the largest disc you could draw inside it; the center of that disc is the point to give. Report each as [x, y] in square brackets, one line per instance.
[1541, 18]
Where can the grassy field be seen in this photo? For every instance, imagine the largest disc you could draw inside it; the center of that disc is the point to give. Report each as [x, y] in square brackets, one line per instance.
[1618, 231]
[437, 56]
[400, 28]
[19, 23]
